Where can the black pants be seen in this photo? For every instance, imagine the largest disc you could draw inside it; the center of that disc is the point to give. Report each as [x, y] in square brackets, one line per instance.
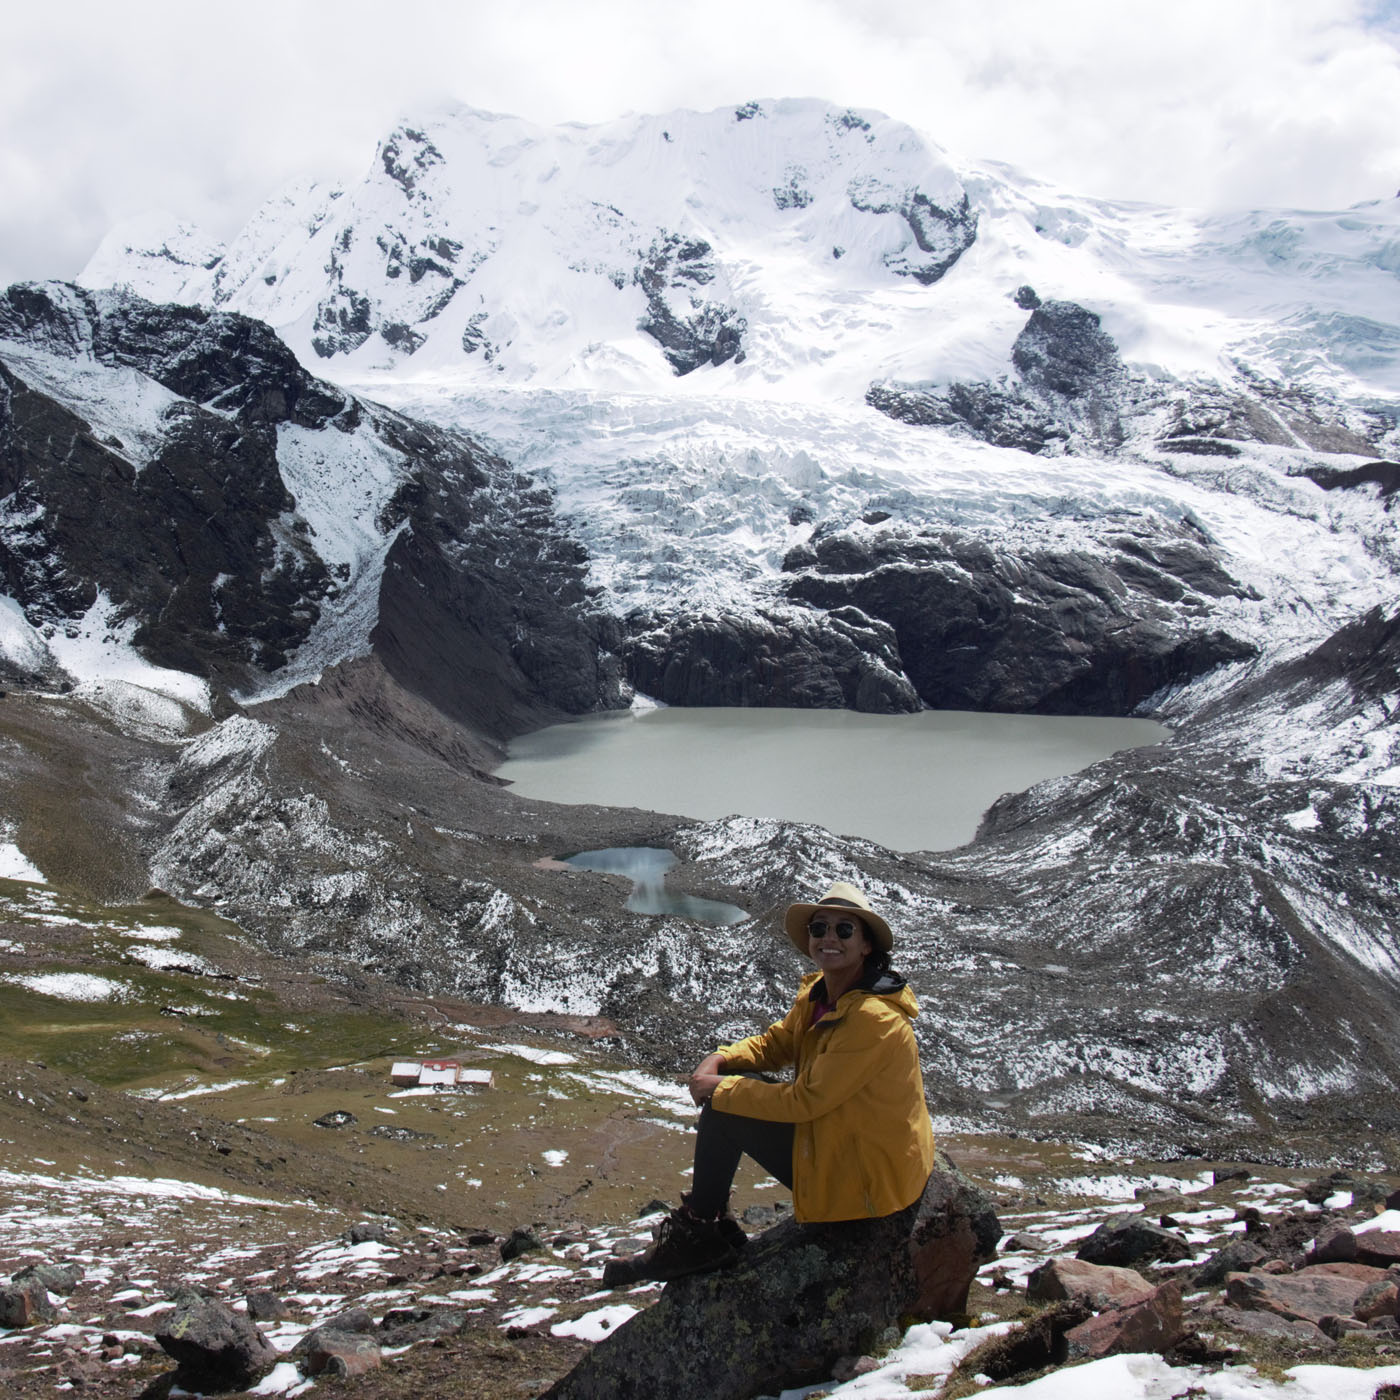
[720, 1140]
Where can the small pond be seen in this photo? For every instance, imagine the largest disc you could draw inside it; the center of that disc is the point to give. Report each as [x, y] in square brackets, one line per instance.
[646, 867]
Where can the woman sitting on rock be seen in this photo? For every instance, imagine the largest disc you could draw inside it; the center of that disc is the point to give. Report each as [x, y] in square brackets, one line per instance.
[849, 1135]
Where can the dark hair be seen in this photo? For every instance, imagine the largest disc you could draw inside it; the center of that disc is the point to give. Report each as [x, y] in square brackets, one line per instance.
[877, 960]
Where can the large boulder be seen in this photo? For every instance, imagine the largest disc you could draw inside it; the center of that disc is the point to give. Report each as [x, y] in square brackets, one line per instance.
[1098, 1285]
[1153, 1323]
[1136, 1242]
[217, 1348]
[24, 1303]
[802, 1297]
[1308, 1296]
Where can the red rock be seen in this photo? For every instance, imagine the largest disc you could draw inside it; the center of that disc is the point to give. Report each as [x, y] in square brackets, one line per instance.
[1099, 1285]
[1154, 1324]
[1338, 1327]
[1267, 1324]
[1362, 1273]
[1381, 1299]
[1380, 1248]
[1334, 1246]
[1308, 1295]
[342, 1354]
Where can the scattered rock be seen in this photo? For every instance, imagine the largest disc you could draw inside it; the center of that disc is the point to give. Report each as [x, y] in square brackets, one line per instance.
[336, 1118]
[351, 1320]
[333, 1353]
[1379, 1248]
[522, 1240]
[1337, 1327]
[1032, 1346]
[23, 1304]
[403, 1326]
[1031, 1244]
[1336, 1246]
[61, 1279]
[1097, 1285]
[1268, 1324]
[1239, 1256]
[1135, 1242]
[1218, 1177]
[265, 1306]
[366, 1232]
[394, 1132]
[1381, 1299]
[216, 1348]
[1152, 1324]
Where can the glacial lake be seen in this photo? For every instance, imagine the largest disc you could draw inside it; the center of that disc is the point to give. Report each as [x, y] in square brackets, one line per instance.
[911, 782]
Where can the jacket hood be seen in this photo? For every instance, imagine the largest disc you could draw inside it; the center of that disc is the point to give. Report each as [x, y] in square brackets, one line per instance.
[890, 986]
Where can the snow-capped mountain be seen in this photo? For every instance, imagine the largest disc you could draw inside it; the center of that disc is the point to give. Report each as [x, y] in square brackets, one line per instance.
[778, 243]
[773, 405]
[682, 323]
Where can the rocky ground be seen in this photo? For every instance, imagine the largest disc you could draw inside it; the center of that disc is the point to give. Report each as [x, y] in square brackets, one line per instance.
[190, 1113]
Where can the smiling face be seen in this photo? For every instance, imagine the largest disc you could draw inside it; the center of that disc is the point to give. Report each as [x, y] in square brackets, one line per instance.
[837, 957]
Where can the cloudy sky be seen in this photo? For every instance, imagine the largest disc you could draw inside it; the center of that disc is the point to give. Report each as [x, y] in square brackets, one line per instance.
[109, 110]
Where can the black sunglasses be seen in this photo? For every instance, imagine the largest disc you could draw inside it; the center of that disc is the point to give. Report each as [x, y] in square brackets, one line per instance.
[844, 930]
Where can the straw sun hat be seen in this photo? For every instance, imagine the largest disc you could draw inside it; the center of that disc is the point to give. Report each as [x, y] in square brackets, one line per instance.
[839, 896]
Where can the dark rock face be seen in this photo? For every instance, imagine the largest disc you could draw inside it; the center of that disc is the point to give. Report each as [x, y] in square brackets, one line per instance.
[1069, 391]
[797, 658]
[691, 330]
[1383, 475]
[1039, 632]
[1063, 350]
[194, 544]
[801, 1298]
[482, 608]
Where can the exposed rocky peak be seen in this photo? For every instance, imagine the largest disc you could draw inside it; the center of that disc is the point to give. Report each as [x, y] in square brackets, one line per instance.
[941, 236]
[405, 155]
[1063, 350]
[691, 330]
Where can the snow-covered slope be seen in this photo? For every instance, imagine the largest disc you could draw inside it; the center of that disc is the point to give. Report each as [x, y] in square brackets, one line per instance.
[834, 247]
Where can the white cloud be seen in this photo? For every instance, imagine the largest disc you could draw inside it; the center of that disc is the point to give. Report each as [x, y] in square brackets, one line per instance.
[110, 110]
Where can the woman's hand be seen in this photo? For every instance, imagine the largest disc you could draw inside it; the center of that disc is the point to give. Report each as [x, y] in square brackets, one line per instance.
[705, 1080]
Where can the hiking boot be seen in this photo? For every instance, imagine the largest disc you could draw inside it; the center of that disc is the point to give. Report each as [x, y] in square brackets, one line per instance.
[685, 1244]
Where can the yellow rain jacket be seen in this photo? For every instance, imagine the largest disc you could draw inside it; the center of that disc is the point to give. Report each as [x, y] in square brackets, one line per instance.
[862, 1141]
